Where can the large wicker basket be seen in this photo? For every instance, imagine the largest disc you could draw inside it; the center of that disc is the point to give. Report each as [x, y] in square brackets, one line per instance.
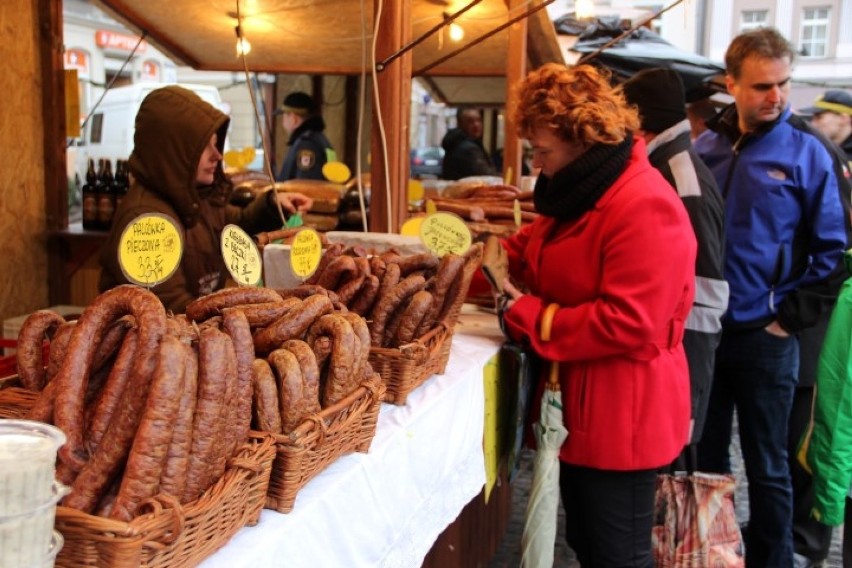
[406, 367]
[347, 426]
[166, 534]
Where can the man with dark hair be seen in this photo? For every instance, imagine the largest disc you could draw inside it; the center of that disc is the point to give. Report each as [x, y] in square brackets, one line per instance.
[659, 95]
[832, 115]
[464, 153]
[309, 148]
[785, 232]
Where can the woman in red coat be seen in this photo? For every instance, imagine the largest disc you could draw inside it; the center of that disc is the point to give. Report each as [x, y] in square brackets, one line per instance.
[614, 248]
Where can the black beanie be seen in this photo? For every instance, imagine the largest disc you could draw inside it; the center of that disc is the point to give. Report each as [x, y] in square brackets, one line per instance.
[659, 95]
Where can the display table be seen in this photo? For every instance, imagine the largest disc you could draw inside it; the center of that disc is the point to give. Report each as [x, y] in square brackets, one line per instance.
[386, 507]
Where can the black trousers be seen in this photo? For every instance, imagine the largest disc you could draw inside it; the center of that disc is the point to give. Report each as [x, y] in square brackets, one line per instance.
[811, 538]
[609, 515]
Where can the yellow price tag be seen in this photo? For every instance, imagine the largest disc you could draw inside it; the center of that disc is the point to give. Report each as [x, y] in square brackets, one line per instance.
[305, 253]
[336, 172]
[241, 256]
[507, 179]
[431, 208]
[415, 190]
[444, 232]
[233, 159]
[248, 154]
[411, 228]
[517, 211]
[150, 249]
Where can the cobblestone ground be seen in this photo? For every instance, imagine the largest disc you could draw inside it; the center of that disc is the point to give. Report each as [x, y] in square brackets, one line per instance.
[509, 553]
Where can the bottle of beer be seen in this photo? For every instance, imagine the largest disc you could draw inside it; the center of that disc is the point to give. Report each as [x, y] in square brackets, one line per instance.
[119, 186]
[90, 198]
[106, 197]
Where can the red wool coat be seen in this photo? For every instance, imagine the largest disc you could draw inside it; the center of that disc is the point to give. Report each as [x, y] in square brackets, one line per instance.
[623, 275]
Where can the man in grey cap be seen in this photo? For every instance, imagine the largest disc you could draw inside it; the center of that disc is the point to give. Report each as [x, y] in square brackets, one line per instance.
[309, 148]
[832, 115]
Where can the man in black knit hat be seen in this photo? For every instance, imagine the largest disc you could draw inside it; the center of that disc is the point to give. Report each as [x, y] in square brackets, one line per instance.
[659, 95]
[309, 148]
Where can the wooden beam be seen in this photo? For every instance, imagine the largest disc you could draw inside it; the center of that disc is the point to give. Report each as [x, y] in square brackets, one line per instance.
[516, 69]
[389, 171]
[53, 114]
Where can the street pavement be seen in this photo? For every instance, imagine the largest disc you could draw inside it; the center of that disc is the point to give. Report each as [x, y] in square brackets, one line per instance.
[509, 553]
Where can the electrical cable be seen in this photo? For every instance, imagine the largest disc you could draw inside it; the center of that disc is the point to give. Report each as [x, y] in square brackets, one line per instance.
[378, 110]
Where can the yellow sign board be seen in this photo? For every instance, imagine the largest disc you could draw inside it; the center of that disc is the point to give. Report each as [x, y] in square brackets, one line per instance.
[305, 253]
[443, 232]
[150, 249]
[411, 227]
[336, 172]
[241, 256]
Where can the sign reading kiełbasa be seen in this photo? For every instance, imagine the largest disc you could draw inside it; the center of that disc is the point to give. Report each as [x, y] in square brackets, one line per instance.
[241, 256]
[150, 249]
[444, 232]
[305, 253]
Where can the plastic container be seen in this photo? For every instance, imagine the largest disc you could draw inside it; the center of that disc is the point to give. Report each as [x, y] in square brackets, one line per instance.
[26, 539]
[27, 464]
[56, 544]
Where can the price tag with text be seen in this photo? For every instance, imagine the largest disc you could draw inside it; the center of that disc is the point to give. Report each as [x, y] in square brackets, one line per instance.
[150, 249]
[241, 256]
[305, 253]
[444, 232]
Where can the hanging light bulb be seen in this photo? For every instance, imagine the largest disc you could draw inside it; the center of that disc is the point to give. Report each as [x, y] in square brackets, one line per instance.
[456, 32]
[584, 9]
[243, 45]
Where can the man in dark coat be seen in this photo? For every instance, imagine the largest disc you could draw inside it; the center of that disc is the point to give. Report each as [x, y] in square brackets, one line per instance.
[659, 95]
[309, 148]
[464, 153]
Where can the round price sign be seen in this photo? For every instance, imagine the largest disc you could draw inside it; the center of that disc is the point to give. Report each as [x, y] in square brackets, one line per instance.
[150, 249]
[241, 256]
[444, 232]
[305, 253]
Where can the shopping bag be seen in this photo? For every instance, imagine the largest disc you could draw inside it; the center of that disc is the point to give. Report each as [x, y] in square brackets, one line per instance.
[519, 368]
[695, 523]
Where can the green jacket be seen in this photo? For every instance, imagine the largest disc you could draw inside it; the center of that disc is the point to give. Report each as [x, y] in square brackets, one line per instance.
[173, 127]
[829, 452]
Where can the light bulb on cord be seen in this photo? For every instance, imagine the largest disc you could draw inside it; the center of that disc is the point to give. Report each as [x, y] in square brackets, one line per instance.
[584, 9]
[456, 32]
[243, 46]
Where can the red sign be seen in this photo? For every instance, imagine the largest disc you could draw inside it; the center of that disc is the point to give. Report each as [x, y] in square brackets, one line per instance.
[77, 59]
[114, 40]
[150, 71]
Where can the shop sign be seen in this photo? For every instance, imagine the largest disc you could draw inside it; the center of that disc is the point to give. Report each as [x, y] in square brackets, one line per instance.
[106, 39]
[78, 60]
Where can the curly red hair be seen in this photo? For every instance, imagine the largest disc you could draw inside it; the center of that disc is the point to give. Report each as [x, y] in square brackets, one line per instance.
[578, 103]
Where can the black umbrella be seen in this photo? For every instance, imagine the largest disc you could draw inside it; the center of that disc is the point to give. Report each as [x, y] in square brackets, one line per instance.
[641, 49]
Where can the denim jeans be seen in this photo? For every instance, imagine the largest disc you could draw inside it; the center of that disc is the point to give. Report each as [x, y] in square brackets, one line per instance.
[756, 374]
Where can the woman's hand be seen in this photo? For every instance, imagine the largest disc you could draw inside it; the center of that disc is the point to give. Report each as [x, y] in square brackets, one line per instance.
[512, 293]
[294, 202]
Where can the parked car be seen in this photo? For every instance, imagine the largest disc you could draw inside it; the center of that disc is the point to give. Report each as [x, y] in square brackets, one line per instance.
[426, 162]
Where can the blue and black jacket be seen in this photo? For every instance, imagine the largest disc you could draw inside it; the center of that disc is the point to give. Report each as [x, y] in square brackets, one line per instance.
[309, 151]
[785, 226]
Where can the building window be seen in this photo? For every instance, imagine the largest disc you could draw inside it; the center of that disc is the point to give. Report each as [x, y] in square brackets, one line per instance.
[751, 19]
[815, 31]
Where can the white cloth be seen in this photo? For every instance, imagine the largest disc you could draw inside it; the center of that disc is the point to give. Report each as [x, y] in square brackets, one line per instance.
[387, 507]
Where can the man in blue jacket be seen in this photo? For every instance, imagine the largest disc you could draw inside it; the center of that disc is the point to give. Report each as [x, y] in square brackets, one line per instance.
[309, 148]
[785, 233]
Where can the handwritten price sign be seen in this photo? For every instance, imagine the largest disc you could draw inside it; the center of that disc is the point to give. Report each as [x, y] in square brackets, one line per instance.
[150, 249]
[444, 232]
[305, 253]
[241, 256]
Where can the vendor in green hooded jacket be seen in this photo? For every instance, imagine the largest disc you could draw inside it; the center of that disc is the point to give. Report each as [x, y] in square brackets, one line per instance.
[176, 170]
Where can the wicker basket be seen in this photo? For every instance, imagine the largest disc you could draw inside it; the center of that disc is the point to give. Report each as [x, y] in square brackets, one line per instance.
[406, 367]
[347, 426]
[166, 533]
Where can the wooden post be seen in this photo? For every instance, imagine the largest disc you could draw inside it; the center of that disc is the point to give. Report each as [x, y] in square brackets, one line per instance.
[53, 111]
[516, 69]
[393, 85]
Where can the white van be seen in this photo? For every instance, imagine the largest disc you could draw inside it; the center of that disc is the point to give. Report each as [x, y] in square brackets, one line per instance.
[109, 130]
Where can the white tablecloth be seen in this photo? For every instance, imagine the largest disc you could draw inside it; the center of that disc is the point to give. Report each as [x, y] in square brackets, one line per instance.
[386, 507]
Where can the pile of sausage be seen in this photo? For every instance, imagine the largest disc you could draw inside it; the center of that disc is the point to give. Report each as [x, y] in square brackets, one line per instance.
[310, 350]
[487, 208]
[402, 297]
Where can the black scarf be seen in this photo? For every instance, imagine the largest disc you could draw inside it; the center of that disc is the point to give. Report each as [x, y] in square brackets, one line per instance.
[576, 188]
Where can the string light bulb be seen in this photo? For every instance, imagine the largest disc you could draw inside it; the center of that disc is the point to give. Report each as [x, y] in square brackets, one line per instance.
[584, 9]
[243, 45]
[456, 32]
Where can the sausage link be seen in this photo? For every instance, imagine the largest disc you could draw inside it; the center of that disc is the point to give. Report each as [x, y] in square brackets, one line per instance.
[208, 409]
[261, 315]
[290, 386]
[303, 291]
[418, 307]
[350, 285]
[212, 304]
[385, 305]
[173, 479]
[75, 370]
[454, 299]
[333, 251]
[28, 354]
[449, 271]
[267, 416]
[58, 347]
[362, 332]
[310, 374]
[238, 424]
[292, 325]
[377, 267]
[226, 435]
[366, 296]
[141, 479]
[340, 380]
[338, 270]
